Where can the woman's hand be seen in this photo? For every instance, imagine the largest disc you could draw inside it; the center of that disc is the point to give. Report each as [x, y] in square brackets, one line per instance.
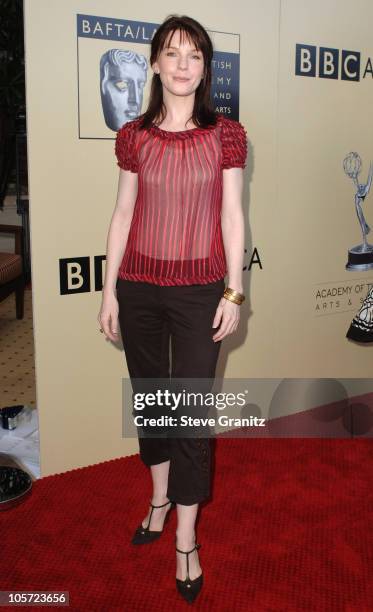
[228, 313]
[108, 316]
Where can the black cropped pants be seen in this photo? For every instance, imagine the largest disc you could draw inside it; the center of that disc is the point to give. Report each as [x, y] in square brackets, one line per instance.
[149, 315]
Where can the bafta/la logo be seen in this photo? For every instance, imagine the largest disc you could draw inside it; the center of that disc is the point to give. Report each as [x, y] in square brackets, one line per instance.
[360, 257]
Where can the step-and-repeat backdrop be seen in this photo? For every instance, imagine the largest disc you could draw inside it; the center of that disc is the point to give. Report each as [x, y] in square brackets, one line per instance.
[298, 75]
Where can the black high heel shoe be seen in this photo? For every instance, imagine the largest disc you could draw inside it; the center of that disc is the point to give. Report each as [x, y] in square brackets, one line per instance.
[188, 588]
[143, 535]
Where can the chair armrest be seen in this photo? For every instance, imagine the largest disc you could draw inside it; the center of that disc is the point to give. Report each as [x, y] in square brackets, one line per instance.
[17, 231]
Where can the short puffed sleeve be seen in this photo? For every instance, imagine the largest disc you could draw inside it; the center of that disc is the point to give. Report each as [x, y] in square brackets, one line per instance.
[125, 147]
[234, 144]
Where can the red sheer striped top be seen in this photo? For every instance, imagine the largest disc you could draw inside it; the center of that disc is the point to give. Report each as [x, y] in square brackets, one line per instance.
[175, 237]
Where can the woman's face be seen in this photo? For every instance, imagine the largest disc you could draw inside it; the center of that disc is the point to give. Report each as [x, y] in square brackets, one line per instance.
[180, 66]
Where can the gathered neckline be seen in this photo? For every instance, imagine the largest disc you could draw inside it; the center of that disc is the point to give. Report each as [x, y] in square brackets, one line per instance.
[182, 134]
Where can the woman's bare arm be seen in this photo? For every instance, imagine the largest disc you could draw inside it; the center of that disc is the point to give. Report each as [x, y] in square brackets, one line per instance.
[116, 243]
[119, 227]
[232, 224]
[227, 314]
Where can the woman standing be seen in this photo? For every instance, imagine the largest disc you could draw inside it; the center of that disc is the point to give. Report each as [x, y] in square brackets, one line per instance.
[177, 229]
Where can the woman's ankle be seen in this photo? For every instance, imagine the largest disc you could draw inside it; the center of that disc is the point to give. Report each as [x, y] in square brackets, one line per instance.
[185, 540]
[159, 498]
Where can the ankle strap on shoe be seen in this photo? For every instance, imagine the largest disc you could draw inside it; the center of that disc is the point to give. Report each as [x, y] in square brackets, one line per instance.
[151, 511]
[186, 552]
[166, 504]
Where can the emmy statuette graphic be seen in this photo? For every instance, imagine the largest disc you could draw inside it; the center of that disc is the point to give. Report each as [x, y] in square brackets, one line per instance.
[360, 257]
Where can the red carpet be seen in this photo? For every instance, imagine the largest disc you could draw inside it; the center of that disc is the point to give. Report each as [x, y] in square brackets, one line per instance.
[289, 529]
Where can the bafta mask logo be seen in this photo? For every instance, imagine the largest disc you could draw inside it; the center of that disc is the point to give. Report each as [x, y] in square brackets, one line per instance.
[123, 76]
[360, 257]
